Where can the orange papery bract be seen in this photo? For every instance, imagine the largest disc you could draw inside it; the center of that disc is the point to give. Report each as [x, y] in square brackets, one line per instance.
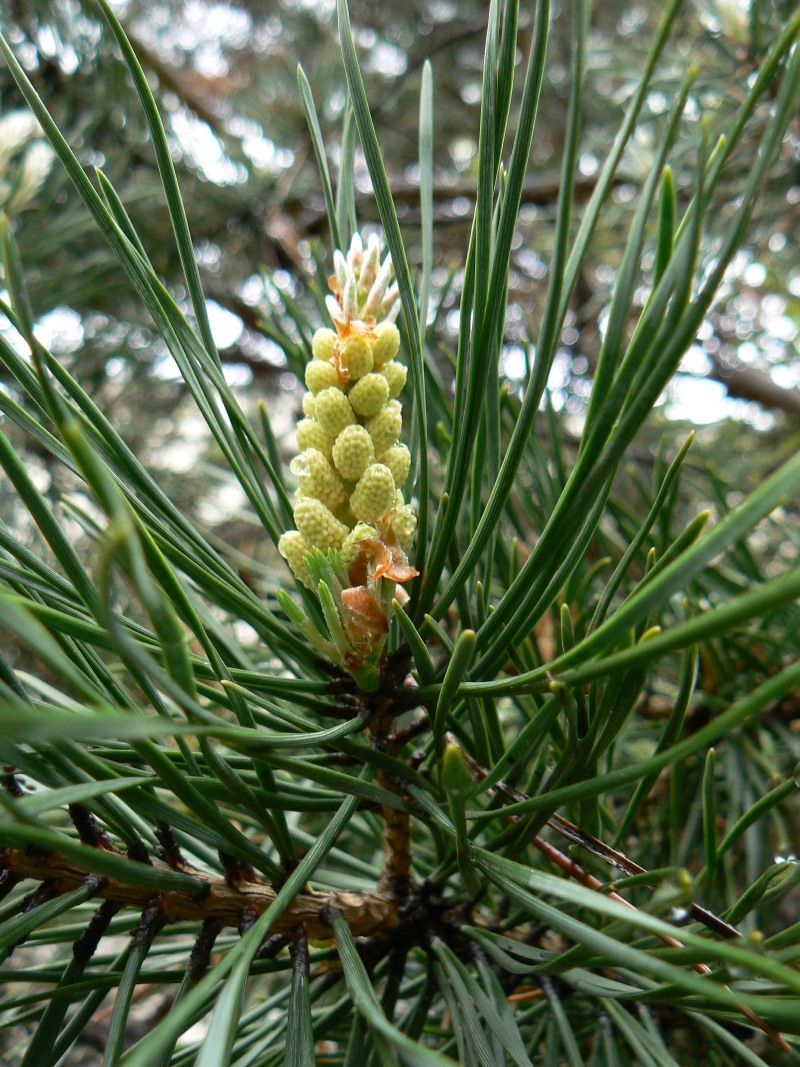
[367, 621]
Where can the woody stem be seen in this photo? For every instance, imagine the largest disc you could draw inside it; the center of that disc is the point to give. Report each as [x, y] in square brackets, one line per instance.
[396, 824]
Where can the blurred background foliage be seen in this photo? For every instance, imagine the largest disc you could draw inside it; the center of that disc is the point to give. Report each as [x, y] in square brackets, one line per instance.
[225, 78]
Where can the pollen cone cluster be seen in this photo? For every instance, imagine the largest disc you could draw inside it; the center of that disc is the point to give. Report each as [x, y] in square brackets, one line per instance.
[351, 467]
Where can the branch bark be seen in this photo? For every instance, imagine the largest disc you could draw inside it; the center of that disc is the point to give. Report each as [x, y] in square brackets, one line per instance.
[368, 914]
[748, 383]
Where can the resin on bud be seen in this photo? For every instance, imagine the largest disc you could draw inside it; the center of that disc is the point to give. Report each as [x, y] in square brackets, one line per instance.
[317, 478]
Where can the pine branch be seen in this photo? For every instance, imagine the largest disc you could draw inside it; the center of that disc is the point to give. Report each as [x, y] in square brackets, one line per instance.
[373, 914]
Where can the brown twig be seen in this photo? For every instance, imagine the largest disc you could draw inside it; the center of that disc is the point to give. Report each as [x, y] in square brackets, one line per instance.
[621, 862]
[366, 913]
[605, 852]
[396, 877]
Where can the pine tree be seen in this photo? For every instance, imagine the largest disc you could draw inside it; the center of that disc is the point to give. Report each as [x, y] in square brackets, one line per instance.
[505, 773]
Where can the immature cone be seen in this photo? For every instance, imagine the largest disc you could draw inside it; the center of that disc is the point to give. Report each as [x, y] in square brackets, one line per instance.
[294, 548]
[353, 451]
[374, 493]
[369, 395]
[351, 466]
